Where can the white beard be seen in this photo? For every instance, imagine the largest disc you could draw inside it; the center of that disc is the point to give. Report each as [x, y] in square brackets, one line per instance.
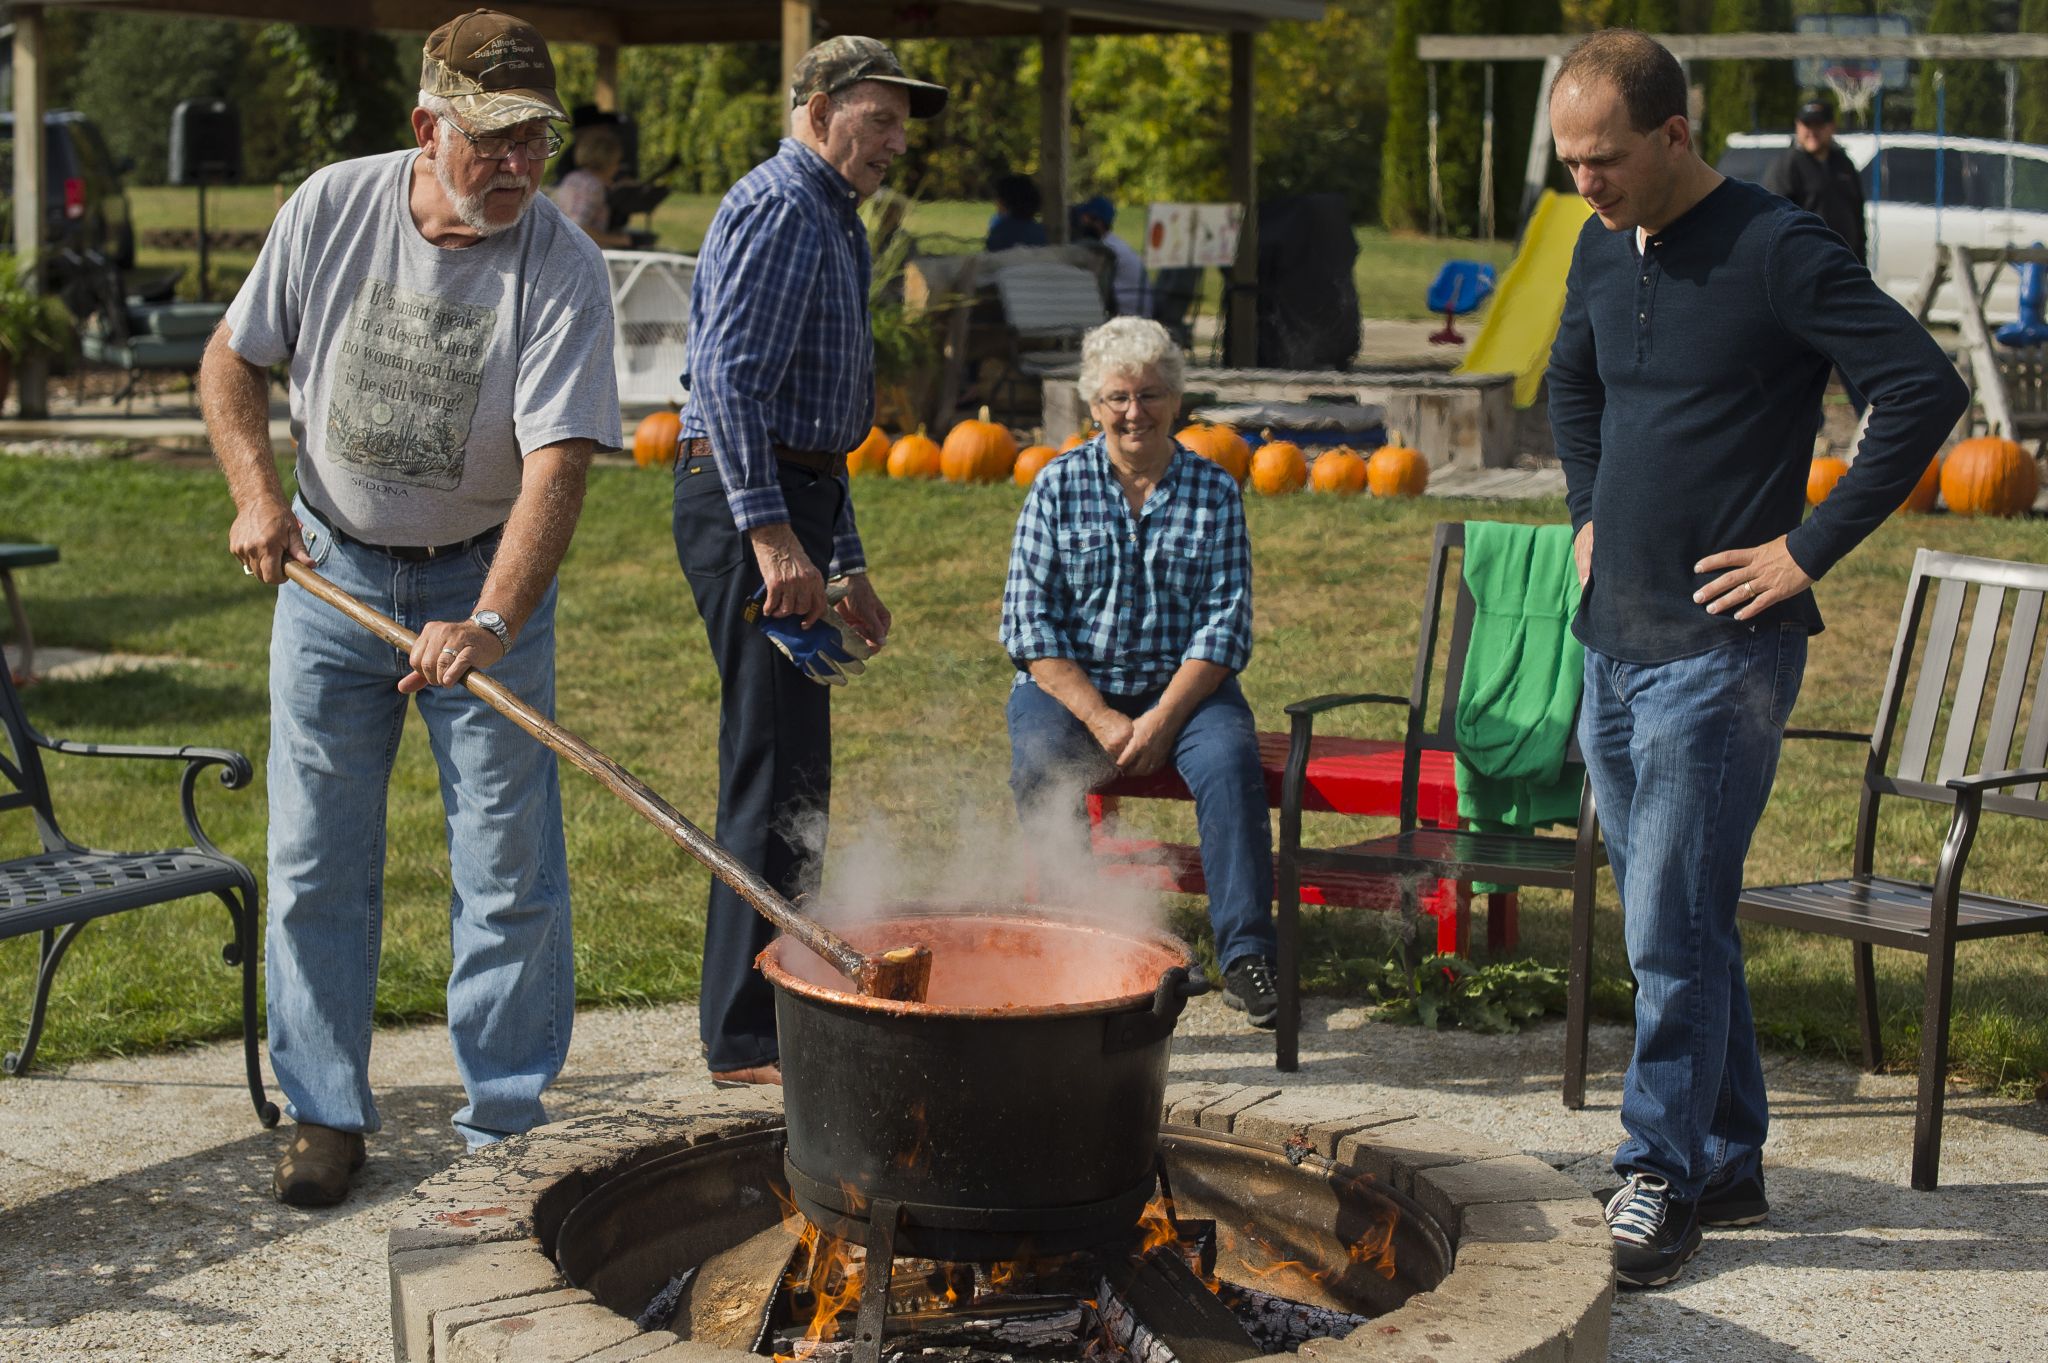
[470, 207]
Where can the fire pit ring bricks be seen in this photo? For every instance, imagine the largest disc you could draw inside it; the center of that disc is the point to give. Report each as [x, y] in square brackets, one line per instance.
[473, 1277]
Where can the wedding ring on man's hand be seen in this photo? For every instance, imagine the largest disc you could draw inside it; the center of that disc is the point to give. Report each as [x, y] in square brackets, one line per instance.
[449, 651]
[247, 571]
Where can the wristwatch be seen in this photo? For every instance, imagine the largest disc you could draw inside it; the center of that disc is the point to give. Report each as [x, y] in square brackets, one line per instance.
[495, 623]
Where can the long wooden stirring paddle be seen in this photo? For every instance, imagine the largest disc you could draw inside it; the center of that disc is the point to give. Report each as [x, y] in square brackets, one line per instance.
[903, 974]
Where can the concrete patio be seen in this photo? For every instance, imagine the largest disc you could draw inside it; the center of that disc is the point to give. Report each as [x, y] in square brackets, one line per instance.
[136, 1220]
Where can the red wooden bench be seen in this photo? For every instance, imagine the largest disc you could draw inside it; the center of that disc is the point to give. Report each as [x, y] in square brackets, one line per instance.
[1358, 776]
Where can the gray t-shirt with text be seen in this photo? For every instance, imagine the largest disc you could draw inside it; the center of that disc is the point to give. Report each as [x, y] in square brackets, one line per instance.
[421, 375]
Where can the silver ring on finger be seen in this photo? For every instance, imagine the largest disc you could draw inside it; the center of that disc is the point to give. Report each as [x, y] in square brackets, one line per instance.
[449, 651]
[247, 571]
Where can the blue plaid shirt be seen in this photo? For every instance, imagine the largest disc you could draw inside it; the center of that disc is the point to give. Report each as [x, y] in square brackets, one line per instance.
[1130, 597]
[780, 349]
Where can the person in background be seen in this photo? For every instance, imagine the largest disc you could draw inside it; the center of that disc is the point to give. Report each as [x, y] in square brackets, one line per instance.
[1130, 291]
[1128, 613]
[782, 383]
[584, 195]
[1016, 219]
[1701, 318]
[448, 336]
[1818, 175]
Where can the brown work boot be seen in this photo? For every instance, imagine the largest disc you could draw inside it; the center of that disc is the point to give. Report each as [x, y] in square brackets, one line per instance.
[315, 1168]
[770, 1073]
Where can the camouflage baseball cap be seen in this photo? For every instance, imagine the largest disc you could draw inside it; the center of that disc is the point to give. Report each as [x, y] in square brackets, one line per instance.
[838, 63]
[493, 68]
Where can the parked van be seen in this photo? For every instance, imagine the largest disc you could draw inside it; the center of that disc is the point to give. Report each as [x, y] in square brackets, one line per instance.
[1992, 193]
[85, 206]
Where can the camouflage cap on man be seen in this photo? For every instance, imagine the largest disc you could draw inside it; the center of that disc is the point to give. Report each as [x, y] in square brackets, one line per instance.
[493, 68]
[840, 63]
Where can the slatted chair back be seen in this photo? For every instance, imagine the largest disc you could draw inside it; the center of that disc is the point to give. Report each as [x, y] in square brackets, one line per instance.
[1966, 691]
[1050, 300]
[22, 784]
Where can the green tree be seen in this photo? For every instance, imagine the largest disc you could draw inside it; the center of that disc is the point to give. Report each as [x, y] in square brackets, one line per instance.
[2033, 110]
[136, 69]
[1647, 16]
[990, 127]
[1743, 95]
[1404, 164]
[1322, 105]
[1975, 89]
[345, 93]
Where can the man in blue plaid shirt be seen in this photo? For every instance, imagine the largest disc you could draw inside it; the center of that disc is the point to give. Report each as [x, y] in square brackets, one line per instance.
[1128, 612]
[782, 384]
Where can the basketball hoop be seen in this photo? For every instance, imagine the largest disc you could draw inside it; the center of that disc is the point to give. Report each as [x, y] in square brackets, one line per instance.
[1854, 85]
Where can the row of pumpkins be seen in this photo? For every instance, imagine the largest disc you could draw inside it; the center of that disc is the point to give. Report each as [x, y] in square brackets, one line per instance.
[982, 451]
[1984, 476]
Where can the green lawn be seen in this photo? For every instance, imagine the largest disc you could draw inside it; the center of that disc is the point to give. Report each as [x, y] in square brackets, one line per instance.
[920, 802]
[1392, 272]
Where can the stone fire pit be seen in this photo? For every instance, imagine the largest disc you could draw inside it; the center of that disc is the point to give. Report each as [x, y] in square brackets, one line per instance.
[1511, 1260]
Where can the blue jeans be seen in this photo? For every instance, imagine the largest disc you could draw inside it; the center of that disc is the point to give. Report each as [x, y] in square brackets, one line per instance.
[1682, 755]
[1054, 760]
[335, 720]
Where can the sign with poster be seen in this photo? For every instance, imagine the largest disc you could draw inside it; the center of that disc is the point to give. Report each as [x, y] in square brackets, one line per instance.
[1181, 235]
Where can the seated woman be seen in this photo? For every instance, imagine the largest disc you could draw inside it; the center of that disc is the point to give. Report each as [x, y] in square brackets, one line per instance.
[584, 195]
[1128, 612]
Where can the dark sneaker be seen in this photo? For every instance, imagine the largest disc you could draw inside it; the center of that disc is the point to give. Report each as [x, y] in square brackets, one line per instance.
[1740, 1202]
[1654, 1232]
[315, 1169]
[1251, 985]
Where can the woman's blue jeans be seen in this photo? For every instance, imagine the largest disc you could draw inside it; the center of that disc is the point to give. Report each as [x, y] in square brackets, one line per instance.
[1054, 760]
[335, 720]
[1682, 755]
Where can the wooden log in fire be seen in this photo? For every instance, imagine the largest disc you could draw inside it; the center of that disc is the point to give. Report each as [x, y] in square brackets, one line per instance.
[1158, 1311]
[1283, 1326]
[1025, 1323]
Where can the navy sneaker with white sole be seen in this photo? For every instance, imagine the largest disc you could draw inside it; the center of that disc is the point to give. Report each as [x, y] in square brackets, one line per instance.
[1654, 1232]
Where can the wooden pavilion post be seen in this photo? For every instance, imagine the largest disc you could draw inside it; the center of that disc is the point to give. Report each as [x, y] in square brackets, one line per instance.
[32, 397]
[1244, 188]
[799, 22]
[606, 94]
[1055, 78]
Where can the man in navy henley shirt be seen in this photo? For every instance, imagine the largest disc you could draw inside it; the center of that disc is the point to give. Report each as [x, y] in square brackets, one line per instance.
[1702, 318]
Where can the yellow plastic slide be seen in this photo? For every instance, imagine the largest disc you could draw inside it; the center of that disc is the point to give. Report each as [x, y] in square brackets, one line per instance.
[1522, 317]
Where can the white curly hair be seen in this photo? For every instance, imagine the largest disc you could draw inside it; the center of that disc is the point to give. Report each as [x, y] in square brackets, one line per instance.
[1127, 347]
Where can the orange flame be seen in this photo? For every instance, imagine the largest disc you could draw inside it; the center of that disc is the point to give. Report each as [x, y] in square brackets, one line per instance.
[1375, 1249]
[1156, 1222]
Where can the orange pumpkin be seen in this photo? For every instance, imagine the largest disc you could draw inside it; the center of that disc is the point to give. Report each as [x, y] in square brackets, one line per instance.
[1030, 460]
[871, 456]
[1279, 467]
[1220, 445]
[1339, 472]
[655, 438]
[1395, 470]
[1989, 476]
[1921, 498]
[1821, 477]
[977, 451]
[1074, 441]
[914, 456]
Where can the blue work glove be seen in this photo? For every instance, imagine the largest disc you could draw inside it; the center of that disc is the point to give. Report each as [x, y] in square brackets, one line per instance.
[823, 652]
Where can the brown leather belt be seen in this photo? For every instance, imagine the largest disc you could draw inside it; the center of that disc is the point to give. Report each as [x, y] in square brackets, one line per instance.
[817, 461]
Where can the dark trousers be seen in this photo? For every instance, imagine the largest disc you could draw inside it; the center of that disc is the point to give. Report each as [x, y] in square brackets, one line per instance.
[774, 748]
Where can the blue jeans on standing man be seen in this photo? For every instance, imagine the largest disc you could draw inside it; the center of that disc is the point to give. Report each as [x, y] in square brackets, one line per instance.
[335, 719]
[1054, 759]
[1681, 755]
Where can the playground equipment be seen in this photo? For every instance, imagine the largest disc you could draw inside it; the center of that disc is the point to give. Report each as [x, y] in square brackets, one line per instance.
[2030, 329]
[1516, 335]
[1460, 286]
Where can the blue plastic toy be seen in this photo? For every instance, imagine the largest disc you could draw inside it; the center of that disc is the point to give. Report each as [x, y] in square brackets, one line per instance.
[1460, 286]
[2031, 329]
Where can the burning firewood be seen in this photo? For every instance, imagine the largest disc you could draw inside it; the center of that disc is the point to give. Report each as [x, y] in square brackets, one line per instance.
[1280, 1325]
[1158, 1311]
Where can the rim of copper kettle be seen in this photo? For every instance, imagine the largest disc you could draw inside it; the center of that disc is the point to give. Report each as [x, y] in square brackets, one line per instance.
[903, 919]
